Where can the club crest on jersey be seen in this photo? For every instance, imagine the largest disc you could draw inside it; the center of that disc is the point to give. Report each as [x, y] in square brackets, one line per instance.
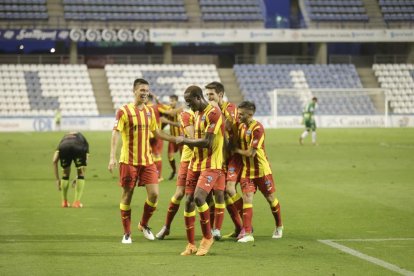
[148, 114]
[209, 179]
[203, 118]
[232, 169]
[212, 125]
[248, 132]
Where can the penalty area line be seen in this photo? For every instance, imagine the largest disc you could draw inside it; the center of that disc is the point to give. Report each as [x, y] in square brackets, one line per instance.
[368, 258]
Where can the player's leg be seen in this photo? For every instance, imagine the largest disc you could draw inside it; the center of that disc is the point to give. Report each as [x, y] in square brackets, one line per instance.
[208, 180]
[171, 160]
[314, 133]
[128, 178]
[80, 163]
[220, 205]
[267, 187]
[172, 211]
[234, 204]
[189, 212]
[125, 207]
[234, 201]
[189, 220]
[303, 136]
[79, 187]
[148, 176]
[248, 189]
[64, 186]
[175, 200]
[211, 206]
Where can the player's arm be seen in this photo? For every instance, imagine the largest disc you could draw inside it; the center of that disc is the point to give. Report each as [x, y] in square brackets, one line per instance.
[55, 168]
[114, 144]
[164, 136]
[166, 121]
[173, 112]
[206, 142]
[250, 152]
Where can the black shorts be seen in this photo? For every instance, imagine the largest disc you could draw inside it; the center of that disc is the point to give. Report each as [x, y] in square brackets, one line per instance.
[69, 152]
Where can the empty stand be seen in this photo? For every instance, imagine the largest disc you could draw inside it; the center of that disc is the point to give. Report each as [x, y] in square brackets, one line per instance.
[399, 82]
[336, 10]
[125, 10]
[256, 81]
[397, 10]
[164, 79]
[231, 10]
[38, 90]
[23, 10]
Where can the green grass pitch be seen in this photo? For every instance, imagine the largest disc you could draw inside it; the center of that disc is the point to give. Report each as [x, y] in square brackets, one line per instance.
[357, 184]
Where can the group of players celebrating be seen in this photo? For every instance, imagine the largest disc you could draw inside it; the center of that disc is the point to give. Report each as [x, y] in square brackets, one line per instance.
[221, 145]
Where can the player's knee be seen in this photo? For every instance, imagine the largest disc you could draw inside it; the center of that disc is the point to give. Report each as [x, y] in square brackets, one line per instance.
[199, 200]
[179, 195]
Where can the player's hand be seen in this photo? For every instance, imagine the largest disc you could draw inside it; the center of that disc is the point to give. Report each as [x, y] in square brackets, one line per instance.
[112, 164]
[179, 140]
[58, 186]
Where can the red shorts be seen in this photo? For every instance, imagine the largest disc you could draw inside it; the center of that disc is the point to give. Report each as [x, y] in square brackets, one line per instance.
[173, 147]
[234, 168]
[210, 179]
[264, 183]
[156, 146]
[182, 173]
[130, 175]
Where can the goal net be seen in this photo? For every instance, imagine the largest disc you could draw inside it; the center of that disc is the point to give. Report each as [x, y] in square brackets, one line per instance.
[367, 104]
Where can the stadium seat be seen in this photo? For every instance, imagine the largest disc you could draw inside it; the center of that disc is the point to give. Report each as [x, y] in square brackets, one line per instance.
[165, 79]
[399, 79]
[266, 78]
[35, 91]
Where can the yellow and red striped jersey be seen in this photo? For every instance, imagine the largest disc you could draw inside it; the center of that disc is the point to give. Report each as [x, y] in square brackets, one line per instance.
[174, 130]
[253, 136]
[210, 120]
[135, 126]
[229, 111]
[186, 118]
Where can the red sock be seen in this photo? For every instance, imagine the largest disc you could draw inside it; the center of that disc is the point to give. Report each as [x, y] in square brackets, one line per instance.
[205, 222]
[147, 214]
[219, 216]
[189, 228]
[247, 219]
[126, 221]
[277, 215]
[172, 210]
[235, 217]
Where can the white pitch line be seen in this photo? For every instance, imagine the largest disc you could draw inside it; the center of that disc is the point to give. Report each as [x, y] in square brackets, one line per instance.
[375, 240]
[367, 257]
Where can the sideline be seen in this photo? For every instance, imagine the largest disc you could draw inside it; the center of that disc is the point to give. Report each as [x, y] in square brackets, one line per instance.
[368, 258]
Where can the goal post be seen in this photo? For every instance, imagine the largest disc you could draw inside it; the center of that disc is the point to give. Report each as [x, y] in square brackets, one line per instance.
[336, 107]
